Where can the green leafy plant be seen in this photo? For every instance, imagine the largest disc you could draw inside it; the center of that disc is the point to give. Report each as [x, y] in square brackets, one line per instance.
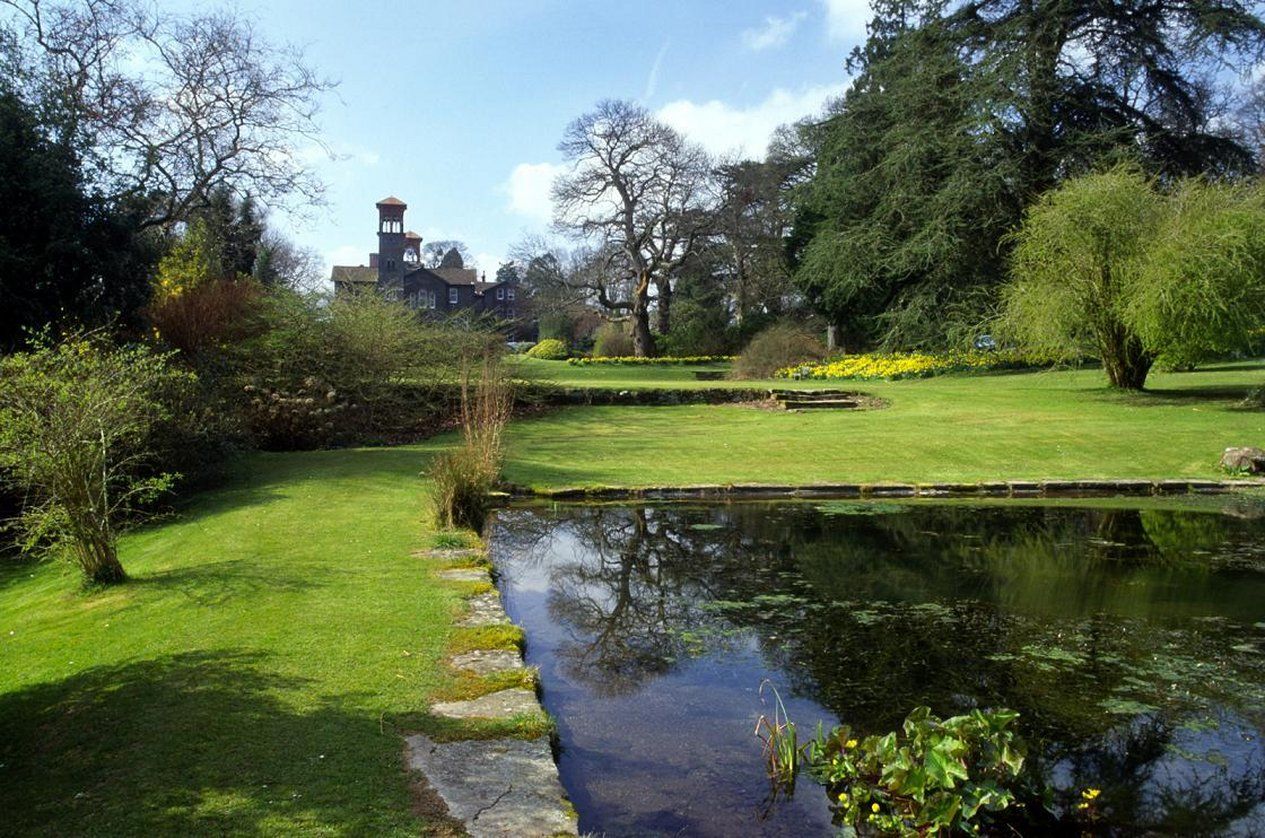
[549, 349]
[930, 775]
[464, 476]
[76, 422]
[782, 750]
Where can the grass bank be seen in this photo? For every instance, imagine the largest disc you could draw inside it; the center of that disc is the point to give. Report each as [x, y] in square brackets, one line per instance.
[251, 678]
[1056, 424]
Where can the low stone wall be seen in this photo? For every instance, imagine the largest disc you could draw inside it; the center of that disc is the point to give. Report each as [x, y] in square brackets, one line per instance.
[994, 489]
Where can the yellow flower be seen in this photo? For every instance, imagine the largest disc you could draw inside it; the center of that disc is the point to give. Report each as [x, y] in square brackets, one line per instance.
[1091, 794]
[851, 743]
[874, 808]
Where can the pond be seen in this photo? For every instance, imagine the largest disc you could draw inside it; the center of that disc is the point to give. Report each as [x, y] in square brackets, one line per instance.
[1131, 638]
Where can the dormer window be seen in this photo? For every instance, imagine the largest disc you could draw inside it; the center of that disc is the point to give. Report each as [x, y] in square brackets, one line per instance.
[510, 293]
[452, 296]
[500, 293]
[410, 255]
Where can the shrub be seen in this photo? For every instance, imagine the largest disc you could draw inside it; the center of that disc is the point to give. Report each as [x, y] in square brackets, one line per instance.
[779, 346]
[356, 368]
[205, 318]
[611, 341]
[75, 427]
[464, 477]
[549, 349]
[899, 365]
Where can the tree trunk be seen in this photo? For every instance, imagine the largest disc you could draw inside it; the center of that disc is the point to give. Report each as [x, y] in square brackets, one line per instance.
[643, 340]
[663, 312]
[100, 562]
[1125, 360]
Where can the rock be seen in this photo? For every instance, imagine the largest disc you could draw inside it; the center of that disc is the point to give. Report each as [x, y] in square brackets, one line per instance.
[489, 661]
[466, 574]
[1248, 460]
[498, 787]
[498, 705]
[485, 610]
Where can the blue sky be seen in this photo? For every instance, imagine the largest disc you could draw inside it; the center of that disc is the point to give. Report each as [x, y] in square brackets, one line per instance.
[457, 107]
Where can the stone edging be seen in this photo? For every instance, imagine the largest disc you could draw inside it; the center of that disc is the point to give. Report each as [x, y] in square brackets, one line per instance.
[495, 787]
[993, 489]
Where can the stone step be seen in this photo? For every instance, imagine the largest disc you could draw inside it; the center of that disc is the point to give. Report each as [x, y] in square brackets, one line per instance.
[497, 787]
[806, 394]
[828, 404]
[489, 661]
[502, 704]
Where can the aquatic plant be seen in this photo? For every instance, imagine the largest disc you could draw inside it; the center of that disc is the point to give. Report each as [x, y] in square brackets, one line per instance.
[930, 775]
[782, 750]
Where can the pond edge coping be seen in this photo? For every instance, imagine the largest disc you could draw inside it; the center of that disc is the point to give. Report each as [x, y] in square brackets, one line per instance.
[1106, 487]
[534, 803]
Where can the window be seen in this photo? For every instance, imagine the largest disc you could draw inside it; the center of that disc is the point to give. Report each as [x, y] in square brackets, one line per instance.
[511, 293]
[500, 293]
[390, 264]
[452, 296]
[431, 301]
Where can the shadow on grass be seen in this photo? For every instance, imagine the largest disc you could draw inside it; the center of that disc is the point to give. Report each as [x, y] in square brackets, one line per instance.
[195, 743]
[214, 583]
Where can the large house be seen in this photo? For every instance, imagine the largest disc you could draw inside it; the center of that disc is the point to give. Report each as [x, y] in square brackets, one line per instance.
[396, 270]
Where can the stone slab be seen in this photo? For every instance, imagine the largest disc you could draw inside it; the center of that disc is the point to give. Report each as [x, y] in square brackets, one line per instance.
[489, 661]
[449, 553]
[498, 787]
[485, 610]
[466, 574]
[498, 705]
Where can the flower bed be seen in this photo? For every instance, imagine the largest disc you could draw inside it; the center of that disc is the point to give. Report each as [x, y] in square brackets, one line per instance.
[898, 365]
[663, 361]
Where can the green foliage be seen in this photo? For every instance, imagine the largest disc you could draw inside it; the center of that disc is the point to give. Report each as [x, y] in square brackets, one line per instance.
[659, 361]
[897, 232]
[358, 367]
[928, 776]
[612, 341]
[465, 476]
[76, 420]
[777, 347]
[549, 349]
[193, 260]
[1114, 265]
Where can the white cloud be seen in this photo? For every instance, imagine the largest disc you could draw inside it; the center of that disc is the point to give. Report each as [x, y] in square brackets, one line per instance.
[846, 19]
[774, 32]
[722, 128]
[528, 188]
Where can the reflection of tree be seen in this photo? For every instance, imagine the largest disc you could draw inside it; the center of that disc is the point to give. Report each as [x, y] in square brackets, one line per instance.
[1081, 619]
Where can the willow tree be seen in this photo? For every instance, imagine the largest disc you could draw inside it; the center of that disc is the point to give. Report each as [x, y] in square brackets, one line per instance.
[1116, 266]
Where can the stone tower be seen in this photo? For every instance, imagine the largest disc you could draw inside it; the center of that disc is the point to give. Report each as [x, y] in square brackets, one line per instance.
[391, 243]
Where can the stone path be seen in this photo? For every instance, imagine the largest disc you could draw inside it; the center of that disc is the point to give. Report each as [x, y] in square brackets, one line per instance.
[496, 787]
[501, 787]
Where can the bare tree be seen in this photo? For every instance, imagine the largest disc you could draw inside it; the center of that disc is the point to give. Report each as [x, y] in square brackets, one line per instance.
[165, 108]
[637, 196]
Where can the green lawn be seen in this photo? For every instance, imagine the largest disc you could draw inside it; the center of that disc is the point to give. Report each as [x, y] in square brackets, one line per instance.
[277, 637]
[1063, 424]
[254, 675]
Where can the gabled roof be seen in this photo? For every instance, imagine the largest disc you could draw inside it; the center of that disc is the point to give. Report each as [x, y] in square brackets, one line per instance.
[354, 273]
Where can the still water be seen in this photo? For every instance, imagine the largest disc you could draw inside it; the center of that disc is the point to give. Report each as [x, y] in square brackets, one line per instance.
[1130, 638]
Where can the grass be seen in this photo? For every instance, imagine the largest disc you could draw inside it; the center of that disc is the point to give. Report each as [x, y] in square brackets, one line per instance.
[253, 677]
[631, 377]
[1061, 424]
[278, 636]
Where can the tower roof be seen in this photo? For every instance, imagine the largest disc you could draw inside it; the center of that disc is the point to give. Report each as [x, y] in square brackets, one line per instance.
[391, 201]
[413, 235]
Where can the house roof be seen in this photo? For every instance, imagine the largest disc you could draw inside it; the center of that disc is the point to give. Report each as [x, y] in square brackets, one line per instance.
[354, 273]
[457, 276]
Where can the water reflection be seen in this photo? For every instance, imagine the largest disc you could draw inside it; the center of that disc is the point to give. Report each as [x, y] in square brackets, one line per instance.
[1130, 639]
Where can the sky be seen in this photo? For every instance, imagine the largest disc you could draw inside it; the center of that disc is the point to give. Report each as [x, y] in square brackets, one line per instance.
[457, 107]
